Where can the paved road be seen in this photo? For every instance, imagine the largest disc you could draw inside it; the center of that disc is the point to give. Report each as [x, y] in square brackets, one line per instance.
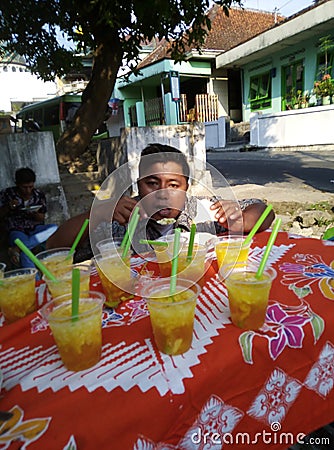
[288, 168]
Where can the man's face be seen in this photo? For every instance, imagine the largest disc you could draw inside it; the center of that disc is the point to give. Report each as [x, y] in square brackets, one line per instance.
[162, 188]
[25, 190]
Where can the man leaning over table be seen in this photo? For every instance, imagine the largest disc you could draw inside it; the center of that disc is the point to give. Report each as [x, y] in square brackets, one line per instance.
[162, 185]
[23, 208]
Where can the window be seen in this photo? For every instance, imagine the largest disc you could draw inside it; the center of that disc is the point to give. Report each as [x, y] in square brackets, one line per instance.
[51, 115]
[260, 91]
[321, 65]
[292, 83]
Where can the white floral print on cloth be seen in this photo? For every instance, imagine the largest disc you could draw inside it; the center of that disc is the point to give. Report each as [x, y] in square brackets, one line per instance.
[307, 270]
[321, 377]
[215, 420]
[284, 327]
[276, 397]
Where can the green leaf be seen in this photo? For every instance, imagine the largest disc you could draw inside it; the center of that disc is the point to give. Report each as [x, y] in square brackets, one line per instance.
[300, 292]
[318, 326]
[246, 343]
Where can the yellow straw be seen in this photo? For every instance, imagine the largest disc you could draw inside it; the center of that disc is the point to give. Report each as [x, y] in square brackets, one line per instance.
[259, 222]
[269, 246]
[175, 261]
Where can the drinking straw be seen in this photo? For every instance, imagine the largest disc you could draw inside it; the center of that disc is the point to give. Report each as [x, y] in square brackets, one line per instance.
[191, 242]
[75, 294]
[131, 231]
[148, 241]
[175, 261]
[35, 260]
[269, 246]
[260, 221]
[77, 239]
[130, 224]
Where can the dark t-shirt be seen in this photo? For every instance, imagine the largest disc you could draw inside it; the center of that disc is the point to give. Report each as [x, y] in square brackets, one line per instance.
[20, 219]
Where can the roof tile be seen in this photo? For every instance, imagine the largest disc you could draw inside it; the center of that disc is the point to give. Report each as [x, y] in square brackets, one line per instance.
[226, 31]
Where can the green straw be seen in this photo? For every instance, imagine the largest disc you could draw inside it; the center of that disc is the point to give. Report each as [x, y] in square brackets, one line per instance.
[35, 260]
[158, 243]
[260, 221]
[131, 228]
[75, 294]
[269, 246]
[77, 239]
[130, 225]
[191, 242]
[175, 261]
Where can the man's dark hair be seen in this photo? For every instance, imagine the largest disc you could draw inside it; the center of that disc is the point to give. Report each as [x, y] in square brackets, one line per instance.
[25, 175]
[160, 153]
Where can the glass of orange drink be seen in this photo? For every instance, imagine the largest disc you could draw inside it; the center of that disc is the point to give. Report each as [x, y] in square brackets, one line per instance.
[78, 338]
[115, 275]
[17, 293]
[172, 316]
[164, 253]
[56, 260]
[63, 283]
[231, 249]
[247, 295]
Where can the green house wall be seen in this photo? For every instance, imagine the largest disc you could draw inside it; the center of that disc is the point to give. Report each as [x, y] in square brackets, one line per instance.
[306, 52]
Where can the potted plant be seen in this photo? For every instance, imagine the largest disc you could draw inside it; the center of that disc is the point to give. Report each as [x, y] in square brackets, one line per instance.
[293, 99]
[324, 89]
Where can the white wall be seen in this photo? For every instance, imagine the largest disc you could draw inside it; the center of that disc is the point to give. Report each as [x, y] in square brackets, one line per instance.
[308, 126]
[22, 86]
[189, 138]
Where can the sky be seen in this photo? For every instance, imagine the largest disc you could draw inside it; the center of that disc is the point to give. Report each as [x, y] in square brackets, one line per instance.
[285, 7]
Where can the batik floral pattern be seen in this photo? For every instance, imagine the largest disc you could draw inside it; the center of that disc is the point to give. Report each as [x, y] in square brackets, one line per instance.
[321, 377]
[276, 397]
[307, 270]
[17, 429]
[284, 327]
[215, 420]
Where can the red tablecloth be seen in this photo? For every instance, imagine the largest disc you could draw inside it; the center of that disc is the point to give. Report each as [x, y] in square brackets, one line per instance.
[238, 388]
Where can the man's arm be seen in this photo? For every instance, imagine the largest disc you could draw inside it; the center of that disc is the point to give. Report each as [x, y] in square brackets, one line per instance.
[251, 215]
[68, 231]
[240, 217]
[7, 204]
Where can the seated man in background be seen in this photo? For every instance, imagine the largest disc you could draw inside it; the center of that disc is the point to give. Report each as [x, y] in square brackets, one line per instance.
[23, 208]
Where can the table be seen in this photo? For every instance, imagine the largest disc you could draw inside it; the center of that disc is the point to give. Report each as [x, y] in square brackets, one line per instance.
[232, 388]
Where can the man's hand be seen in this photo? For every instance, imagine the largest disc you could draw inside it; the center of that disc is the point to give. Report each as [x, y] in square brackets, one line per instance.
[13, 204]
[124, 208]
[228, 214]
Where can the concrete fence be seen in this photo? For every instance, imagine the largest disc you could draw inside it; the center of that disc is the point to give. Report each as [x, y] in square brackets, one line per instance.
[295, 128]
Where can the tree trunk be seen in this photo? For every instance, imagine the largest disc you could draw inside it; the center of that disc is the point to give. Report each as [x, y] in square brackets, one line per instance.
[107, 60]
